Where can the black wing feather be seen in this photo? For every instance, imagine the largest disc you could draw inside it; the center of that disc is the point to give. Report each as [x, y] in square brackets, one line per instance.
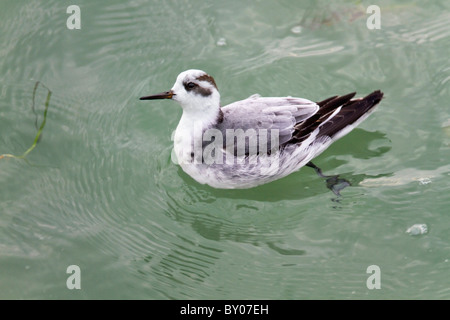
[350, 112]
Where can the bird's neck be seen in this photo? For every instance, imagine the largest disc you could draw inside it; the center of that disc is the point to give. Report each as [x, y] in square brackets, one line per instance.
[206, 117]
[189, 135]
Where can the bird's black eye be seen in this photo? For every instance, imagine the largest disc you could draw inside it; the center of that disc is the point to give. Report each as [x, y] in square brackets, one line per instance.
[191, 85]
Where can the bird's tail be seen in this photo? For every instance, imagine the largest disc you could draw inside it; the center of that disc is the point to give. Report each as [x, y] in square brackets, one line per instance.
[339, 115]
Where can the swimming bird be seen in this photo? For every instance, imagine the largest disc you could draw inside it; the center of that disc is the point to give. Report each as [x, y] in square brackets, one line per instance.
[257, 140]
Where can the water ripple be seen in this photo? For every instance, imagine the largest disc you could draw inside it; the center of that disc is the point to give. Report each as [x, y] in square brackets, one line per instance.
[429, 31]
[288, 47]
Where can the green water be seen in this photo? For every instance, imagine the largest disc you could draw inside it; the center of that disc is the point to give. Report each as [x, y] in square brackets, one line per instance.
[100, 191]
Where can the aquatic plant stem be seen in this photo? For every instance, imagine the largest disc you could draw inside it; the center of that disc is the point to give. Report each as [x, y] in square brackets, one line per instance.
[39, 132]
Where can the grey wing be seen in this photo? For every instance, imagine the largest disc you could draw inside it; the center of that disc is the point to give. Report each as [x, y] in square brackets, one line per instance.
[270, 122]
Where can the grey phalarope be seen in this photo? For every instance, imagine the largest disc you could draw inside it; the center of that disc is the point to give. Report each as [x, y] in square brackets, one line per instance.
[257, 140]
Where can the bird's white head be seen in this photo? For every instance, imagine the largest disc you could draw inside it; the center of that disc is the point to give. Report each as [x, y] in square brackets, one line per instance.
[195, 91]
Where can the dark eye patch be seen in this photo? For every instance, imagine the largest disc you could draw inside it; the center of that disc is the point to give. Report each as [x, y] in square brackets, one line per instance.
[189, 86]
[192, 86]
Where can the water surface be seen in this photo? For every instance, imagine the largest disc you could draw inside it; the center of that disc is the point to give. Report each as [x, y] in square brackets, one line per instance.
[100, 190]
